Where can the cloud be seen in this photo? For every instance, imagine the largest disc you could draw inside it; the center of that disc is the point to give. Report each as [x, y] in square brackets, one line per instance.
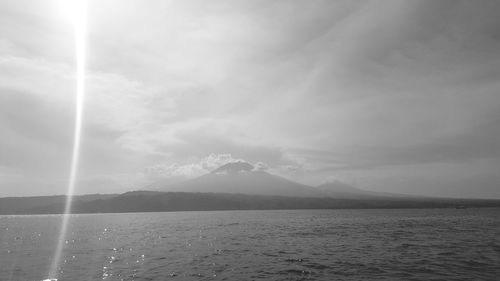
[189, 170]
[306, 87]
[468, 144]
[260, 166]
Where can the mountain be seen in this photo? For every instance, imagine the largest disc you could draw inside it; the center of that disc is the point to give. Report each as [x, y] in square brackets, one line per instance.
[233, 186]
[243, 178]
[153, 201]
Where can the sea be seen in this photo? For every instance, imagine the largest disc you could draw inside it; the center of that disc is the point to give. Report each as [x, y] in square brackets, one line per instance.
[394, 244]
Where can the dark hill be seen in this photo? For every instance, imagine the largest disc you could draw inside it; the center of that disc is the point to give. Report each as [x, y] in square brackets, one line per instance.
[150, 201]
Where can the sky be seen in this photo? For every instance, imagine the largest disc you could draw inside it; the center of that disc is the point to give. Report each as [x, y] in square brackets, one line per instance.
[393, 95]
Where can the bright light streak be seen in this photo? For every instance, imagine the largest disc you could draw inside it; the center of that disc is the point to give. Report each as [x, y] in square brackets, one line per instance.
[78, 14]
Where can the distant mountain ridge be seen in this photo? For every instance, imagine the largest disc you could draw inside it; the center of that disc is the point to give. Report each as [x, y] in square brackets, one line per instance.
[154, 201]
[233, 186]
[243, 178]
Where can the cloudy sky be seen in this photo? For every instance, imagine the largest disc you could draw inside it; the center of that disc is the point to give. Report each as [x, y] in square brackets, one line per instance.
[395, 96]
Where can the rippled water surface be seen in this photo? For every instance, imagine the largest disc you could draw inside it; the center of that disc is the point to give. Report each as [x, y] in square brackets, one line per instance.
[441, 244]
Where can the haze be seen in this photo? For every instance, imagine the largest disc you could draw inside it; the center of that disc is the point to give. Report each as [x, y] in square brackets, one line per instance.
[390, 96]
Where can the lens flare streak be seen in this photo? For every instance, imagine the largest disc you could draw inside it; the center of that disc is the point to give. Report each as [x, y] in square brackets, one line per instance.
[79, 18]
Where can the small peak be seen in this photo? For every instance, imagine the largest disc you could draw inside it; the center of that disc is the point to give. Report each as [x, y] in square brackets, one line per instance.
[234, 167]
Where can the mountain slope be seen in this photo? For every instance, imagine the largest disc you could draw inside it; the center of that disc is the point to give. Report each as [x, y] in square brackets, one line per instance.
[341, 190]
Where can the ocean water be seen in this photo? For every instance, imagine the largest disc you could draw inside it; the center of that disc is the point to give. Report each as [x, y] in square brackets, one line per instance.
[424, 244]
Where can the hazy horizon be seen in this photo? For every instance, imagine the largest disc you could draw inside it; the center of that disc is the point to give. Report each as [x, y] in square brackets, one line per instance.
[392, 96]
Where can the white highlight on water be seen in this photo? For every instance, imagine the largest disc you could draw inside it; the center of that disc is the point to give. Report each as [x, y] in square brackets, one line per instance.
[79, 18]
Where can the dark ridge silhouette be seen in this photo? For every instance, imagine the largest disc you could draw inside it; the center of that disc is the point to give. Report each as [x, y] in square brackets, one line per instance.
[20, 205]
[153, 201]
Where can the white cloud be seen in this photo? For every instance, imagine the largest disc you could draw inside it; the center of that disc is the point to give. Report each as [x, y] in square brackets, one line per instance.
[261, 166]
[172, 81]
[189, 170]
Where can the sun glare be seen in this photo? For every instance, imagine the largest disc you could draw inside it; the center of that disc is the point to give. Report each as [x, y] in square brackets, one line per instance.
[76, 11]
